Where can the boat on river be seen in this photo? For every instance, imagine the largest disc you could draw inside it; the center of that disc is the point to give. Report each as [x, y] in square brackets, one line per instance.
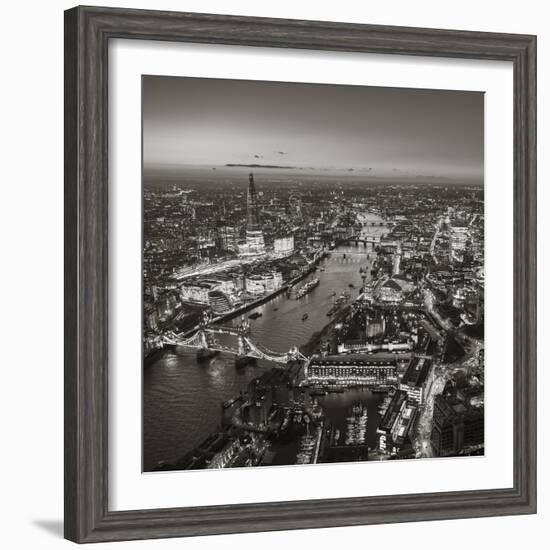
[307, 288]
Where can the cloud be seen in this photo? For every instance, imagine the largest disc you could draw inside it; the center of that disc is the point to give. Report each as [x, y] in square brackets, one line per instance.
[232, 165]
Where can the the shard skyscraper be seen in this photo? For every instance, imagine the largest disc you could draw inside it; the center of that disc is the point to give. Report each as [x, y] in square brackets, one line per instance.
[255, 245]
[252, 214]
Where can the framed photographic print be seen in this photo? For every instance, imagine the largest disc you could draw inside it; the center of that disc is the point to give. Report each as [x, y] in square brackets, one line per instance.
[299, 274]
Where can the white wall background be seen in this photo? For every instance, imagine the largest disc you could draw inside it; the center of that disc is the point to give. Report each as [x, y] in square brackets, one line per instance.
[31, 270]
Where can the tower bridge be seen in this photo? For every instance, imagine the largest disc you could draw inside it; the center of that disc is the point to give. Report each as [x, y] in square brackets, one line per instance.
[205, 339]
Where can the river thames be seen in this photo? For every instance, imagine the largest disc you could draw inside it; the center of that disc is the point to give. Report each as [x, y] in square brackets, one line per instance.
[182, 398]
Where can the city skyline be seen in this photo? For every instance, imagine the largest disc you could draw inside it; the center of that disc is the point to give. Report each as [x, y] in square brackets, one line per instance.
[292, 315]
[311, 129]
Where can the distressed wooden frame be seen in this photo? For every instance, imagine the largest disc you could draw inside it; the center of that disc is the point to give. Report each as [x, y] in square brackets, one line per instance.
[87, 34]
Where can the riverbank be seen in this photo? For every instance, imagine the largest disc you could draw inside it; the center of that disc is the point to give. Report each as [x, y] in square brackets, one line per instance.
[313, 345]
[182, 397]
[249, 306]
[268, 297]
[155, 353]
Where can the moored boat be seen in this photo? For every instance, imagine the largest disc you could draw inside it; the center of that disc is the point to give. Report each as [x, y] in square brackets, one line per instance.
[307, 288]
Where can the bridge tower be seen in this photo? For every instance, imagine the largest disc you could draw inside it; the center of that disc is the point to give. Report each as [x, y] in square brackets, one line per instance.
[243, 358]
[204, 352]
[242, 347]
[293, 354]
[202, 339]
[244, 327]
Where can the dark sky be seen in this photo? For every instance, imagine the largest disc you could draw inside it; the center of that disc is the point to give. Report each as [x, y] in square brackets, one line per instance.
[212, 122]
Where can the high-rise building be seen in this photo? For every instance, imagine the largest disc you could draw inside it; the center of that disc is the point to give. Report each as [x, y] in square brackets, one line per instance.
[228, 238]
[284, 246]
[457, 426]
[255, 245]
[418, 379]
[263, 283]
[397, 259]
[252, 214]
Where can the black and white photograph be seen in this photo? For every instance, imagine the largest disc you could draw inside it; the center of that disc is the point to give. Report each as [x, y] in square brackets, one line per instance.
[313, 273]
[288, 259]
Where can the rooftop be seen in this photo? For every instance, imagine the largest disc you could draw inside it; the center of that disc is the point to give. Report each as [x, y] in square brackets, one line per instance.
[417, 372]
[353, 359]
[392, 413]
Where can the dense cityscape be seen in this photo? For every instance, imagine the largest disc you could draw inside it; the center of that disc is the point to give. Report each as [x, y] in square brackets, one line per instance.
[322, 318]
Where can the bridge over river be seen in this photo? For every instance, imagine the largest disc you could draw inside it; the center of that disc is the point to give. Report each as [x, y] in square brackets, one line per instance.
[243, 345]
[182, 397]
